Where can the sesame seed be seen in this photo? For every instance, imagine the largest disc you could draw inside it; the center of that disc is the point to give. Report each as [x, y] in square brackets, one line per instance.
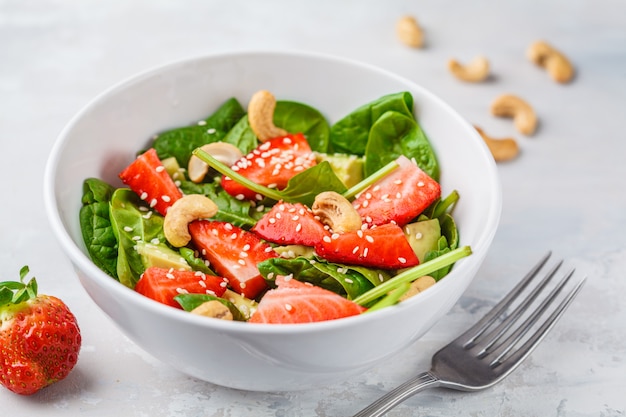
[402, 260]
[398, 195]
[202, 284]
[380, 277]
[228, 226]
[376, 188]
[335, 236]
[155, 241]
[211, 131]
[143, 195]
[246, 247]
[243, 254]
[223, 284]
[359, 233]
[242, 285]
[272, 220]
[136, 238]
[298, 227]
[128, 229]
[233, 236]
[270, 275]
[142, 208]
[365, 252]
[272, 185]
[369, 238]
[166, 198]
[418, 235]
[288, 307]
[153, 202]
[295, 218]
[368, 196]
[278, 215]
[182, 291]
[201, 122]
[240, 197]
[397, 182]
[349, 281]
[365, 204]
[355, 250]
[169, 275]
[420, 184]
[260, 208]
[211, 292]
[326, 239]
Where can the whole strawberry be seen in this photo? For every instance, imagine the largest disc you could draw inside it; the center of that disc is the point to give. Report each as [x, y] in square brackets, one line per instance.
[39, 337]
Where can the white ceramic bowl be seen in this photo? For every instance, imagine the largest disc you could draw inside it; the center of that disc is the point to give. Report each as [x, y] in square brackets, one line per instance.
[104, 137]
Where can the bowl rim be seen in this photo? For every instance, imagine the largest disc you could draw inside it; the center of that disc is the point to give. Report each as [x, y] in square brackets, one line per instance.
[84, 263]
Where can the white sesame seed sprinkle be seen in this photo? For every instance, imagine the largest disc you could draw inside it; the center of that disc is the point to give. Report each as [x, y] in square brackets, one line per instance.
[401, 260]
[143, 195]
[166, 198]
[327, 239]
[128, 229]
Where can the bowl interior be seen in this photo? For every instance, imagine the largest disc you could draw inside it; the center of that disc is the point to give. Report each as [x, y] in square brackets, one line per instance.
[104, 137]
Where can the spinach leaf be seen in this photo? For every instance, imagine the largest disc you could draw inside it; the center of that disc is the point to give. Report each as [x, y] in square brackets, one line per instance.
[296, 117]
[237, 212]
[95, 225]
[190, 301]
[448, 242]
[197, 264]
[180, 142]
[242, 136]
[394, 134]
[304, 186]
[130, 224]
[350, 134]
[340, 279]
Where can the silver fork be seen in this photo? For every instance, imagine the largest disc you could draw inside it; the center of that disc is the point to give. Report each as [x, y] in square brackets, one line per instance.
[493, 347]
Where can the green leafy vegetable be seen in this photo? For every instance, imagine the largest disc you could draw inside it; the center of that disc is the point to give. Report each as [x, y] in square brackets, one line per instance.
[346, 280]
[296, 117]
[412, 274]
[242, 136]
[394, 134]
[130, 224]
[180, 142]
[301, 188]
[190, 301]
[350, 134]
[197, 264]
[95, 225]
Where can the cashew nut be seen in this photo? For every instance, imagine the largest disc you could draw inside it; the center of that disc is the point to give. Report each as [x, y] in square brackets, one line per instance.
[214, 309]
[337, 212]
[558, 66]
[476, 71]
[261, 116]
[185, 210]
[418, 286]
[409, 32]
[522, 113]
[501, 149]
[224, 152]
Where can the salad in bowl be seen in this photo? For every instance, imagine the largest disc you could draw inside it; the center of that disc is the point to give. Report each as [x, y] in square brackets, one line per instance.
[296, 199]
[271, 214]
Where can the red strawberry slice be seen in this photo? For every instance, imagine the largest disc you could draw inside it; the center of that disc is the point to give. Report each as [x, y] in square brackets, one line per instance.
[399, 197]
[290, 224]
[163, 284]
[233, 253]
[272, 164]
[382, 246]
[147, 177]
[298, 302]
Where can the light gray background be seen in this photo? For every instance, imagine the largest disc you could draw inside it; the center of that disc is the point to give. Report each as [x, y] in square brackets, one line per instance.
[565, 192]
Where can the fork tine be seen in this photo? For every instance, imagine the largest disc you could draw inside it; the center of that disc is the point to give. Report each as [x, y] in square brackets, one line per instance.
[504, 326]
[522, 329]
[474, 332]
[519, 355]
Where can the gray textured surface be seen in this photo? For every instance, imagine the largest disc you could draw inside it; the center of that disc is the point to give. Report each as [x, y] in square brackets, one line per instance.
[566, 192]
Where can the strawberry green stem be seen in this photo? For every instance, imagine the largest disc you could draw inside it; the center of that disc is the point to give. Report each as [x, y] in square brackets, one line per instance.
[412, 274]
[223, 169]
[362, 185]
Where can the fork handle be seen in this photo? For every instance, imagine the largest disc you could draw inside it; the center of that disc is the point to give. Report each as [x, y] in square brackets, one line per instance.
[396, 396]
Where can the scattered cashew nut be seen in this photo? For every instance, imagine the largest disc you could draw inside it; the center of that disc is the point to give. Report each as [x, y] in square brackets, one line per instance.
[522, 113]
[261, 116]
[409, 32]
[476, 71]
[418, 286]
[501, 149]
[558, 66]
[214, 309]
[337, 212]
[224, 152]
[185, 210]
